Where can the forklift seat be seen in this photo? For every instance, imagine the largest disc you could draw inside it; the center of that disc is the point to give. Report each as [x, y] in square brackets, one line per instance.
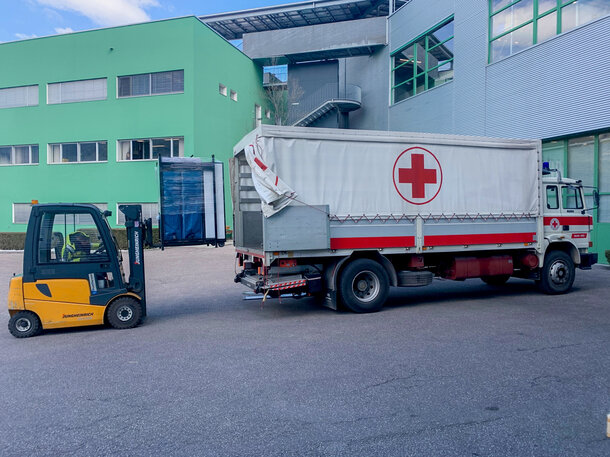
[57, 245]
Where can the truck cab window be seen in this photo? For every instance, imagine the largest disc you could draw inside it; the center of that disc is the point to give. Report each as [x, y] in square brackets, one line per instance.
[571, 199]
[552, 197]
[70, 237]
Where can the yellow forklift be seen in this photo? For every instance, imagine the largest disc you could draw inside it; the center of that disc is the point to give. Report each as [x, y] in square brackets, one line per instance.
[73, 273]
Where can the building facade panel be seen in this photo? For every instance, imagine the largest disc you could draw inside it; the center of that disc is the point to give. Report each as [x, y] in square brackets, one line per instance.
[558, 87]
[190, 110]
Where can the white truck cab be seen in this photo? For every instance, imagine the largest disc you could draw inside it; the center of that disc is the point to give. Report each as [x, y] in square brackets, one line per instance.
[567, 227]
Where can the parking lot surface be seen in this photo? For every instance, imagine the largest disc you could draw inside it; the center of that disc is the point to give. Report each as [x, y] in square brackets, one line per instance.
[457, 368]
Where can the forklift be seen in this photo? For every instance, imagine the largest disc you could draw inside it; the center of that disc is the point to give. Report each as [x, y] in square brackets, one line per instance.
[73, 272]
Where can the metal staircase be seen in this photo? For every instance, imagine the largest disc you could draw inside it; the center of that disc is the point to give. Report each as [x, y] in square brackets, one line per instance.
[328, 98]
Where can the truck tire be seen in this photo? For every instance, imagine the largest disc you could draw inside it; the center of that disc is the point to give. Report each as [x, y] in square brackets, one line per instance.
[364, 286]
[498, 280]
[24, 324]
[557, 275]
[124, 312]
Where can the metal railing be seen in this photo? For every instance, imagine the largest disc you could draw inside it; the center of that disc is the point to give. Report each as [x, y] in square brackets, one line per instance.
[323, 100]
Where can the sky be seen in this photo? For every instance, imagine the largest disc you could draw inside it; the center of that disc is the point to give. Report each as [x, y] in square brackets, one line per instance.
[23, 19]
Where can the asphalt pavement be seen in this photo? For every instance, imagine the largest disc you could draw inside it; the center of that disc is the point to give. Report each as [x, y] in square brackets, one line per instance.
[452, 369]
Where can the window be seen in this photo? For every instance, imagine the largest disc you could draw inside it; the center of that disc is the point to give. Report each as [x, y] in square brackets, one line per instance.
[149, 211]
[552, 198]
[19, 155]
[150, 148]
[233, 95]
[570, 196]
[165, 82]
[268, 113]
[222, 89]
[77, 91]
[258, 115]
[70, 237]
[516, 24]
[86, 151]
[423, 63]
[275, 75]
[21, 211]
[13, 97]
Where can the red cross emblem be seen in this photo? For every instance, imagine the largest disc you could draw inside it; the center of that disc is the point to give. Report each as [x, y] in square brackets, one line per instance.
[418, 176]
[555, 223]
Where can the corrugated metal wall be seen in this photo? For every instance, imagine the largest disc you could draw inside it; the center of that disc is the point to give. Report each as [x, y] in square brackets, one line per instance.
[558, 87]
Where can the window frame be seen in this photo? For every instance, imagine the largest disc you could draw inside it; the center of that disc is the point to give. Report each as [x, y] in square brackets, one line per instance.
[150, 140]
[78, 152]
[150, 92]
[60, 83]
[556, 197]
[101, 206]
[560, 5]
[28, 87]
[417, 74]
[13, 163]
[596, 166]
[119, 214]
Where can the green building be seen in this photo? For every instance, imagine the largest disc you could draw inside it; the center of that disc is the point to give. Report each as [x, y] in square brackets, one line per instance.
[84, 116]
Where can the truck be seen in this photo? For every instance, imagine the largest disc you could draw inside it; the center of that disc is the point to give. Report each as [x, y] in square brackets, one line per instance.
[343, 215]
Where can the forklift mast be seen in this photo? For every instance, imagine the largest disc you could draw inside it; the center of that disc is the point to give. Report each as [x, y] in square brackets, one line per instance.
[135, 240]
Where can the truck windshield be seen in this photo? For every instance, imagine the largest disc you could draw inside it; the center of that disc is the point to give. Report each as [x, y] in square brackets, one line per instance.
[571, 197]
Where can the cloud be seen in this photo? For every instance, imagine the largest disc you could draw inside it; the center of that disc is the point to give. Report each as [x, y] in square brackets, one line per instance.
[25, 36]
[106, 12]
[61, 30]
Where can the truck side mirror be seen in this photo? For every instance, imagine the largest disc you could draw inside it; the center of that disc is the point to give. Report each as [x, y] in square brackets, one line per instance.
[596, 198]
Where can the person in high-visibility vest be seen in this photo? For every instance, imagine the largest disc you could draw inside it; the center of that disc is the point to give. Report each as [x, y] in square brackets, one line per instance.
[77, 247]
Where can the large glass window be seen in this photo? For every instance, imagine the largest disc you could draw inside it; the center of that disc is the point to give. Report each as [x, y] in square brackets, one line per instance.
[150, 148]
[517, 24]
[424, 63]
[586, 158]
[88, 151]
[165, 82]
[581, 156]
[149, 211]
[13, 97]
[19, 155]
[77, 91]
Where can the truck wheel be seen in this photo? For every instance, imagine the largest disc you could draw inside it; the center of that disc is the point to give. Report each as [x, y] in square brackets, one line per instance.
[24, 324]
[124, 312]
[498, 280]
[364, 286]
[557, 275]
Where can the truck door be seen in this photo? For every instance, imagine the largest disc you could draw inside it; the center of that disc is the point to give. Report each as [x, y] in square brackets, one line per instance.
[552, 212]
[575, 223]
[69, 259]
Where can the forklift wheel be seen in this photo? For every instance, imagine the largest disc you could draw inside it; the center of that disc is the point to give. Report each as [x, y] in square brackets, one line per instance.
[24, 324]
[124, 312]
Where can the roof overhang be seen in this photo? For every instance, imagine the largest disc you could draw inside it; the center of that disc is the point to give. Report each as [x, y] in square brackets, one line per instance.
[234, 24]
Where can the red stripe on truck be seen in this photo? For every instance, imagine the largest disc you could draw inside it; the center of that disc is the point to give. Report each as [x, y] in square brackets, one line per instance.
[373, 242]
[482, 238]
[570, 220]
[260, 164]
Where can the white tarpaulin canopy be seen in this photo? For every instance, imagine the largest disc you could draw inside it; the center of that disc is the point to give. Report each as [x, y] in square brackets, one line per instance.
[388, 173]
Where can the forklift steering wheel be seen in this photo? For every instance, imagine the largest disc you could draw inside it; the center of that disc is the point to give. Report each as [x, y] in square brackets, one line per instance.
[100, 250]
